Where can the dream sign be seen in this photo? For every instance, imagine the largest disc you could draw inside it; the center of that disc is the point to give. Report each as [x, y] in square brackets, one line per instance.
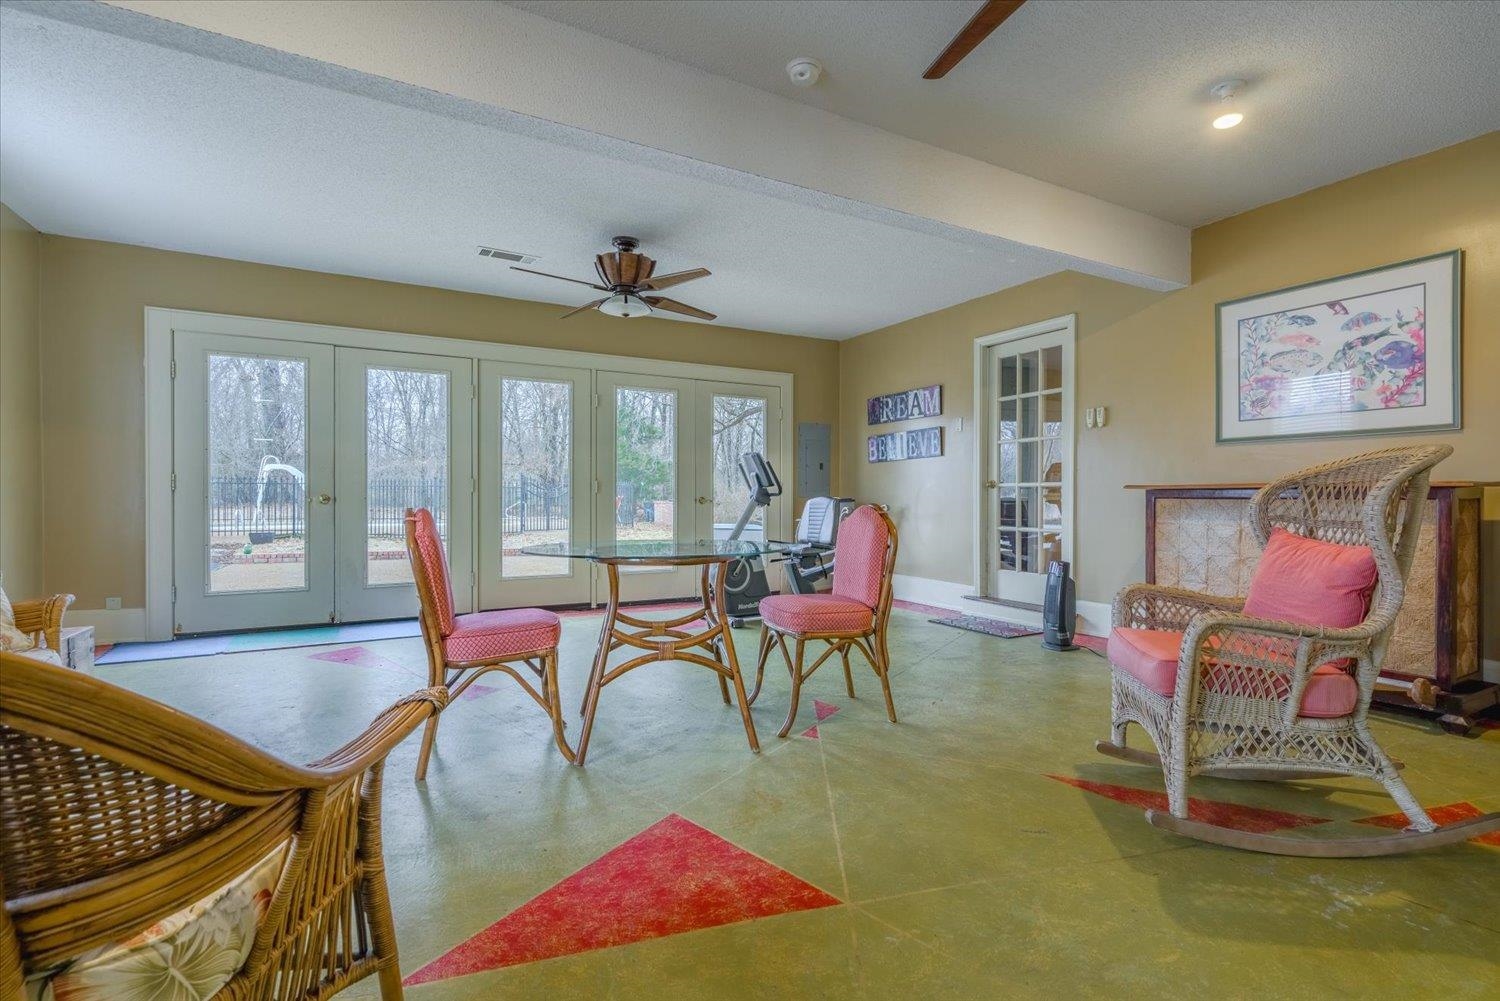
[904, 406]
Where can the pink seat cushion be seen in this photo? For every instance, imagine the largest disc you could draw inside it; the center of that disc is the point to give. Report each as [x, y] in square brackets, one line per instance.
[1310, 582]
[817, 613]
[504, 632]
[1150, 657]
[432, 563]
[859, 556]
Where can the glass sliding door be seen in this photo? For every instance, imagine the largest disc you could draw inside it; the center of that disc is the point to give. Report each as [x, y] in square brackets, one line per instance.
[404, 441]
[536, 485]
[733, 419]
[253, 464]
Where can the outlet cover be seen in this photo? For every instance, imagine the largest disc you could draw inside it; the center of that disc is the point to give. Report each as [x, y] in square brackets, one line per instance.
[113, 604]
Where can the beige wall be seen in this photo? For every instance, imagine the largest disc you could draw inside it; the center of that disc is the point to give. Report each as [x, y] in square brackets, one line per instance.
[92, 300]
[1150, 358]
[20, 409]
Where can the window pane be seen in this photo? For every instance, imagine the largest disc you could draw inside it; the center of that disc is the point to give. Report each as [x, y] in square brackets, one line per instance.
[1030, 471]
[645, 463]
[1008, 376]
[1008, 551]
[536, 474]
[1052, 414]
[1051, 548]
[1052, 507]
[739, 427]
[1029, 371]
[1009, 515]
[1052, 466]
[1007, 420]
[257, 463]
[1030, 509]
[1007, 463]
[406, 464]
[1030, 556]
[1029, 423]
[1052, 368]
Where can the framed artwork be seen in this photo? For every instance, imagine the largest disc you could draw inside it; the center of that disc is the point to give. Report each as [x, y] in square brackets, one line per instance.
[1370, 353]
[920, 443]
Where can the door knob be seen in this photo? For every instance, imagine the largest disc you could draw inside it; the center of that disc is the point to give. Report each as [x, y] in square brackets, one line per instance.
[990, 484]
[324, 499]
[702, 500]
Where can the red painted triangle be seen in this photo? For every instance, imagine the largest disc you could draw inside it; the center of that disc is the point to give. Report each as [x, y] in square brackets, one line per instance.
[672, 877]
[1254, 819]
[1452, 813]
[812, 732]
[823, 710]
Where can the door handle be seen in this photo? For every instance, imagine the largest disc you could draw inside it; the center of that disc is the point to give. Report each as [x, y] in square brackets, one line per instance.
[324, 499]
[991, 484]
[702, 500]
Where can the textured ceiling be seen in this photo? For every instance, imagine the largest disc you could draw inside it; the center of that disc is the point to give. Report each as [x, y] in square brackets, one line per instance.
[116, 139]
[1110, 98]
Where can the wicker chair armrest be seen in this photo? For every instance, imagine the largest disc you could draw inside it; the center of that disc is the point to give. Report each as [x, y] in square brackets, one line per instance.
[1155, 606]
[42, 615]
[387, 730]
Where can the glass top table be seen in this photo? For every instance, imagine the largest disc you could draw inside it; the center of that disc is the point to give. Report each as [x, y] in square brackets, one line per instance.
[700, 635]
[659, 551]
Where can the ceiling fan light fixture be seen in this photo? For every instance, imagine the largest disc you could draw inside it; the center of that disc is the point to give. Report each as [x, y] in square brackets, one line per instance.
[1225, 92]
[625, 305]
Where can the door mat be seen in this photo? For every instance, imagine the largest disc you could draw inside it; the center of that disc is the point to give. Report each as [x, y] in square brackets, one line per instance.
[990, 627]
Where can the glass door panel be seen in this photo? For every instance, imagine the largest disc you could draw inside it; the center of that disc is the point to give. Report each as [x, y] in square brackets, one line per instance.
[734, 419]
[404, 441]
[252, 462]
[535, 480]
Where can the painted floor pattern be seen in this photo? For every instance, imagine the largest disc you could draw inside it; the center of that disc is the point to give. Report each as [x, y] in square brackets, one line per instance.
[977, 849]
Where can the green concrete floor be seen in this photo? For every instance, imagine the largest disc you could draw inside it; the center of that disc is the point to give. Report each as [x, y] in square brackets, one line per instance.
[965, 871]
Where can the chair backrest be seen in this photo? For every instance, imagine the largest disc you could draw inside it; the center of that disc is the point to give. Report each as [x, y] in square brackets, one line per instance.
[1375, 499]
[864, 558]
[117, 811]
[429, 566]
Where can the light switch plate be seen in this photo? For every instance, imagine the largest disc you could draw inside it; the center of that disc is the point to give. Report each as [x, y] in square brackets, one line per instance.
[1101, 416]
[1088, 416]
[112, 604]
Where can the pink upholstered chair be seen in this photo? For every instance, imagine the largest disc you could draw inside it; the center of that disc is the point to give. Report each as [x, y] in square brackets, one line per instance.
[460, 648]
[854, 614]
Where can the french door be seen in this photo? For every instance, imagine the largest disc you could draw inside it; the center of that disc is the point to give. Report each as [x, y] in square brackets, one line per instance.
[253, 483]
[733, 419]
[404, 439]
[1028, 464]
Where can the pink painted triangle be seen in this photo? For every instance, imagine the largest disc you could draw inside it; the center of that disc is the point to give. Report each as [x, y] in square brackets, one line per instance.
[1254, 819]
[812, 732]
[672, 877]
[1450, 813]
[824, 710]
[357, 655]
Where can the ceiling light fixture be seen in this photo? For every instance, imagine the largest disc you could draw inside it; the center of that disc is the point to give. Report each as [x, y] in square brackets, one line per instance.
[1225, 92]
[625, 305]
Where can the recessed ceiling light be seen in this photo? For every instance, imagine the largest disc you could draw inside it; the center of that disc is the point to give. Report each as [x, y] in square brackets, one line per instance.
[1225, 91]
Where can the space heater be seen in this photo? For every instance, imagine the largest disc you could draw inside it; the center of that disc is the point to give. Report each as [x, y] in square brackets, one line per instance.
[1059, 612]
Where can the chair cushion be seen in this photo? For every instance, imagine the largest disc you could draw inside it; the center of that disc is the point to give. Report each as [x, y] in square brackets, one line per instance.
[1150, 657]
[1310, 582]
[504, 632]
[817, 613]
[191, 954]
[432, 563]
[859, 556]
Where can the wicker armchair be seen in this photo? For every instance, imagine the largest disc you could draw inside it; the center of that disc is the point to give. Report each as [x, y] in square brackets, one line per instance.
[42, 618]
[117, 811]
[1237, 707]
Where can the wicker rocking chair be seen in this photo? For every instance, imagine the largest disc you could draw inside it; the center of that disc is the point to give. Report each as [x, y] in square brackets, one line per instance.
[123, 821]
[1258, 698]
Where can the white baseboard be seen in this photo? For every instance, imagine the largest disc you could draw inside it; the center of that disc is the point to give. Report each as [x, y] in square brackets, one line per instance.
[111, 625]
[1093, 616]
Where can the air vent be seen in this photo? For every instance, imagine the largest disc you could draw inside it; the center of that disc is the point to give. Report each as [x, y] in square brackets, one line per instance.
[507, 255]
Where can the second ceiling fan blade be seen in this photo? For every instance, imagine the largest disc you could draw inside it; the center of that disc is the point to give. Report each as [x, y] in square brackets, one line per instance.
[676, 278]
[575, 281]
[985, 20]
[673, 306]
[580, 309]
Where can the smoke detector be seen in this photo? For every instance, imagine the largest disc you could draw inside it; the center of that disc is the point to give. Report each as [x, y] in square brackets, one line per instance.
[804, 71]
[515, 257]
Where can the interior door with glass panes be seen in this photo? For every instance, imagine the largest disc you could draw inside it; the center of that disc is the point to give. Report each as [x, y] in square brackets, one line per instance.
[1029, 475]
[645, 469]
[404, 440]
[734, 419]
[252, 500]
[535, 483]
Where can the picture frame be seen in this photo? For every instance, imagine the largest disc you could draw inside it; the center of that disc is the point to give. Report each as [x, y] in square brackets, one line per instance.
[1372, 352]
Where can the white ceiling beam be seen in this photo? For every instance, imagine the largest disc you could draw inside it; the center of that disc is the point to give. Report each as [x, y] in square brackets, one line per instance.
[557, 81]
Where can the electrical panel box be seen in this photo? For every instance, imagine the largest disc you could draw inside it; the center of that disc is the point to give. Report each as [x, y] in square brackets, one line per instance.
[814, 459]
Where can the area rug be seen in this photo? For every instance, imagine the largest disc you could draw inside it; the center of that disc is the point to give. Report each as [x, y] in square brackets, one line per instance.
[990, 627]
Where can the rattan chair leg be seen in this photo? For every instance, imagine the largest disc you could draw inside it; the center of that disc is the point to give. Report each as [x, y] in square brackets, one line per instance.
[429, 737]
[554, 704]
[883, 671]
[764, 651]
[796, 669]
[848, 675]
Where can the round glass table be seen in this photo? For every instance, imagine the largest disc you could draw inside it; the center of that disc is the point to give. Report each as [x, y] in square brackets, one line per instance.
[670, 639]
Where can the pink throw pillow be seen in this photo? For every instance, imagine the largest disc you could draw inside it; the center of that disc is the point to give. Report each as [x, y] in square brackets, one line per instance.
[1312, 583]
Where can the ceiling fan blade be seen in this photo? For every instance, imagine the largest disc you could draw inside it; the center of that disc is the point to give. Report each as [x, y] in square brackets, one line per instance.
[673, 306]
[575, 281]
[580, 309]
[676, 278]
[985, 20]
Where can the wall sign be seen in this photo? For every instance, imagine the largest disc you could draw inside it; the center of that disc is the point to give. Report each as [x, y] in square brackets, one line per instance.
[922, 443]
[907, 405]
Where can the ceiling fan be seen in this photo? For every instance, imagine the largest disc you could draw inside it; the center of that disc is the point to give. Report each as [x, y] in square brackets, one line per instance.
[985, 20]
[626, 276]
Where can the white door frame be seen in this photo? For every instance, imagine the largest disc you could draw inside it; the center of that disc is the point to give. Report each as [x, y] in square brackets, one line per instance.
[1067, 325]
[161, 322]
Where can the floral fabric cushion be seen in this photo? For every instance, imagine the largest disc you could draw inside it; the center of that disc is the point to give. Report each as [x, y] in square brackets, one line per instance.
[12, 640]
[188, 956]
